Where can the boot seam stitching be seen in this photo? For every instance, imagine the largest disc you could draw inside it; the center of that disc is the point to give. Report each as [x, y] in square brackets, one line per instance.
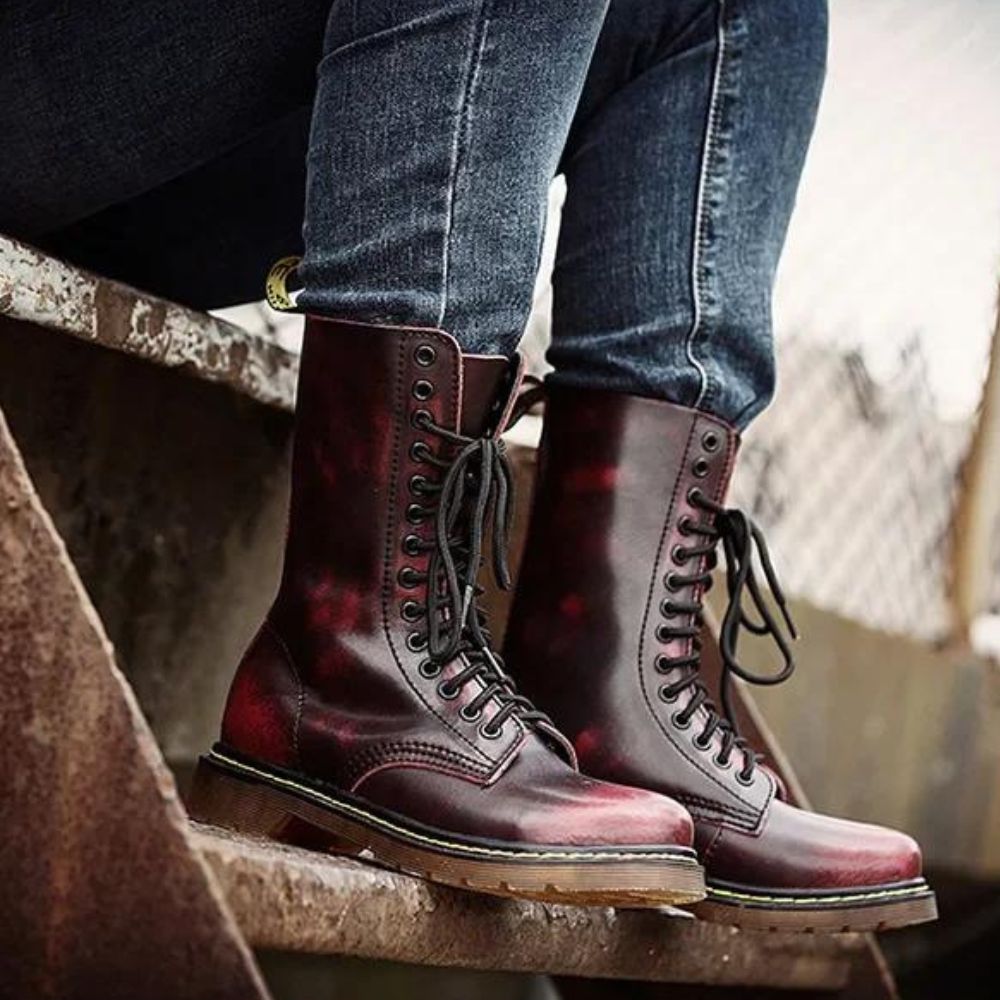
[719, 807]
[710, 850]
[359, 764]
[719, 814]
[363, 814]
[415, 763]
[301, 694]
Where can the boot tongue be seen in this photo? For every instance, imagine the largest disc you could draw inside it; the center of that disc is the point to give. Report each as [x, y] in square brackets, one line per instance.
[488, 384]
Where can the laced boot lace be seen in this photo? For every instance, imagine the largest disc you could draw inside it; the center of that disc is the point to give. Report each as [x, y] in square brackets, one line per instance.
[740, 538]
[469, 499]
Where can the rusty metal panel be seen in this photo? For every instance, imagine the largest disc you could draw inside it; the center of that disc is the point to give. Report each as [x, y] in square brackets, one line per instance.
[103, 892]
[288, 898]
[170, 494]
[39, 289]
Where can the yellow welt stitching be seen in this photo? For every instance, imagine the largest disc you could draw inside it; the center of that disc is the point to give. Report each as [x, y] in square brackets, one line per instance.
[800, 900]
[413, 835]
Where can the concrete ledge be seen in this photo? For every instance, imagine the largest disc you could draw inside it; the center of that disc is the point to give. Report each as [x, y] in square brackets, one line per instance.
[39, 289]
[290, 899]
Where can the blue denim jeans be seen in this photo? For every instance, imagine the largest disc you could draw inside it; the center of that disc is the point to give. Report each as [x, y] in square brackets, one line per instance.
[173, 154]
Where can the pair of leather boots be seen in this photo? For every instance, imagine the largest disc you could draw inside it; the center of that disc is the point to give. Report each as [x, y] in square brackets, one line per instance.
[371, 714]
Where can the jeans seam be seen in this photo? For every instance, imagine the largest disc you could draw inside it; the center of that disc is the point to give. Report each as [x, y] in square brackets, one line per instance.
[463, 113]
[700, 240]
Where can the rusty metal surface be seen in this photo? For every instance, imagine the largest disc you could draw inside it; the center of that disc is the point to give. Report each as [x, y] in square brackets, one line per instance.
[39, 289]
[170, 493]
[288, 898]
[102, 894]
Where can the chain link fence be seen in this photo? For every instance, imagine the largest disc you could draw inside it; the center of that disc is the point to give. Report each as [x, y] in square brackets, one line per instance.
[885, 307]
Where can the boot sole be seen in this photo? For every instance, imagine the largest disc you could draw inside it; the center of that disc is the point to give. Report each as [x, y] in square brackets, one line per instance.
[877, 908]
[259, 800]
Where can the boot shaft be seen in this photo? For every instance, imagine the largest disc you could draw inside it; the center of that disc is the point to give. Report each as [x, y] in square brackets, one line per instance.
[609, 524]
[356, 465]
[598, 625]
[338, 681]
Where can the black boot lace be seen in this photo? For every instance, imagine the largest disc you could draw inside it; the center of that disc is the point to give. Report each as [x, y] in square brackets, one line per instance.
[468, 500]
[740, 538]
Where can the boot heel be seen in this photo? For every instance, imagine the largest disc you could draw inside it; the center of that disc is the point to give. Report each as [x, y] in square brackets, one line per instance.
[223, 801]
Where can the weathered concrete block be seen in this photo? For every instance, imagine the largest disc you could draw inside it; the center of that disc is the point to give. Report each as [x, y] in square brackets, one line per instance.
[287, 898]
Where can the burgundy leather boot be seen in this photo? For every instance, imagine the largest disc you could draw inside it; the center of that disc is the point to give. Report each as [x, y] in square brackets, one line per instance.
[603, 635]
[369, 713]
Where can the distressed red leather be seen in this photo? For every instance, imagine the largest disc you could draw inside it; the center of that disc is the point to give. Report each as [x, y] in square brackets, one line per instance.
[331, 686]
[586, 641]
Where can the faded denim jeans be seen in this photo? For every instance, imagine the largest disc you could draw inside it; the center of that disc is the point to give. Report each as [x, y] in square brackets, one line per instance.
[174, 152]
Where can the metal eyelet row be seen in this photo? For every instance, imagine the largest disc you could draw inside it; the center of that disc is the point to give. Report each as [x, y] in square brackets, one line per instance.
[423, 389]
[449, 693]
[683, 722]
[711, 441]
[409, 578]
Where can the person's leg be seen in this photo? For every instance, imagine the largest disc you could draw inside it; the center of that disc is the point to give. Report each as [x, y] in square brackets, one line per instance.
[438, 129]
[98, 107]
[370, 710]
[681, 172]
[207, 238]
[159, 144]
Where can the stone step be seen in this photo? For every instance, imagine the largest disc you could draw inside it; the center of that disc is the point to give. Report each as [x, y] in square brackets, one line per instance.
[39, 289]
[295, 900]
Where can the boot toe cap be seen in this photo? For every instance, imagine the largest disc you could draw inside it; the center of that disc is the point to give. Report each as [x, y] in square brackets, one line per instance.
[797, 849]
[600, 814]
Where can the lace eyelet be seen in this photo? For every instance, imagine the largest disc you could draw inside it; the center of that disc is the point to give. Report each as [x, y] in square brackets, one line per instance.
[680, 720]
[663, 634]
[425, 355]
[411, 545]
[695, 496]
[663, 664]
[419, 451]
[470, 716]
[422, 390]
[408, 578]
[428, 669]
[746, 780]
[418, 484]
[488, 732]
[421, 419]
[701, 743]
[685, 524]
[701, 467]
[672, 582]
[666, 695]
[722, 765]
[416, 642]
[710, 441]
[415, 513]
[411, 611]
[679, 554]
[668, 609]
[446, 691]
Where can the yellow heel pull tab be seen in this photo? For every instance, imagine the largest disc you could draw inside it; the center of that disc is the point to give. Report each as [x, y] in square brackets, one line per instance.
[276, 286]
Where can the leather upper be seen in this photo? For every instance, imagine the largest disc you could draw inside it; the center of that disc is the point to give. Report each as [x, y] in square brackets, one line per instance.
[606, 541]
[332, 685]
